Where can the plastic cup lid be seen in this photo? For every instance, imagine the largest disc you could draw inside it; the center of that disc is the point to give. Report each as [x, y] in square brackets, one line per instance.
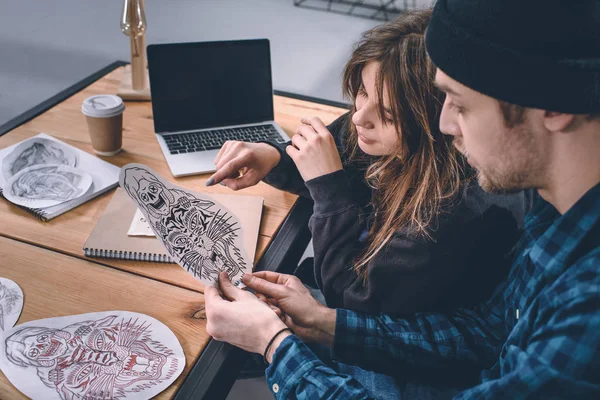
[103, 106]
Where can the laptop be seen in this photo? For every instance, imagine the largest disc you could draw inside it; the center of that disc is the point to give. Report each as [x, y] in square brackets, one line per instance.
[206, 93]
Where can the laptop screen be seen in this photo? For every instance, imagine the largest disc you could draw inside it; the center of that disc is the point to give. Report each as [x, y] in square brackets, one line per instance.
[210, 84]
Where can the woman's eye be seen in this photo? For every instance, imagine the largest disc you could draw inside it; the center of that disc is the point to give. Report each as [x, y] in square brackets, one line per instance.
[144, 197]
[42, 338]
[33, 353]
[153, 189]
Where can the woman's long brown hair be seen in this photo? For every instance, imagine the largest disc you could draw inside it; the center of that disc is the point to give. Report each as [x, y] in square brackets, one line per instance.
[410, 185]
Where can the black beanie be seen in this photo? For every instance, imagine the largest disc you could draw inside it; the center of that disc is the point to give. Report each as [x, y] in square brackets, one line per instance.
[534, 53]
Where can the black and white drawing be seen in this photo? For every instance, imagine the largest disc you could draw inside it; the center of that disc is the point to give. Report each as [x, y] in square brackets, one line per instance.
[11, 303]
[46, 185]
[201, 235]
[37, 151]
[108, 355]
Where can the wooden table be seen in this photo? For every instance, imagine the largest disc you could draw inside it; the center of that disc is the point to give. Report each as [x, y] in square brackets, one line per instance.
[46, 258]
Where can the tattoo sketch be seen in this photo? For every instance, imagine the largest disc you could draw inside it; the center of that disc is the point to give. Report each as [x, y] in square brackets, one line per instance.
[109, 355]
[46, 185]
[35, 152]
[202, 236]
[11, 303]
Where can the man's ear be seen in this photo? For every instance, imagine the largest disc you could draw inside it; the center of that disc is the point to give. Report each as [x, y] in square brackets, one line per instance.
[558, 122]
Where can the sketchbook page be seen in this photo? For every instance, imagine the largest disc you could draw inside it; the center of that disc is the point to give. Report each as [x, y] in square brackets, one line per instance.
[36, 151]
[199, 233]
[139, 226]
[247, 208]
[11, 303]
[46, 185]
[105, 355]
[105, 176]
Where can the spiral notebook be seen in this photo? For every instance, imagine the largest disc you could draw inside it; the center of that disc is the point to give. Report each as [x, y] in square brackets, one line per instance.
[105, 176]
[109, 239]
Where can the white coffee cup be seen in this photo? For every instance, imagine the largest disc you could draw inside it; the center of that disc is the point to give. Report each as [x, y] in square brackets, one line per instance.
[104, 116]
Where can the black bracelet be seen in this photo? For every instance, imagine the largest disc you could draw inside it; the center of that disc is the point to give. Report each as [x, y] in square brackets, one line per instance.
[271, 342]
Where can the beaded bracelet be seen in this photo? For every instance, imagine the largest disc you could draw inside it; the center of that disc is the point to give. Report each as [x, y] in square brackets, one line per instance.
[271, 342]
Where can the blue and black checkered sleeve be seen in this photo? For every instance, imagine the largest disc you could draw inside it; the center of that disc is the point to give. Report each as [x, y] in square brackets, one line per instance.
[561, 358]
[297, 373]
[381, 343]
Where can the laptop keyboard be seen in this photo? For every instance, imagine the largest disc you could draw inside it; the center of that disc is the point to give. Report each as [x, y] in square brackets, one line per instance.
[191, 142]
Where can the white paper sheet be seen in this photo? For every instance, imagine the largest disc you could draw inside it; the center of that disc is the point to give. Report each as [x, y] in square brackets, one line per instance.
[199, 233]
[46, 185]
[105, 355]
[139, 226]
[11, 303]
[36, 151]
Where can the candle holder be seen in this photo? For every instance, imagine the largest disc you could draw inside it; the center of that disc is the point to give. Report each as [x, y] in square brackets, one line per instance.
[135, 82]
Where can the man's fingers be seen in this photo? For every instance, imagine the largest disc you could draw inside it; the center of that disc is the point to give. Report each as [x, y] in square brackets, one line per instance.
[230, 291]
[270, 276]
[211, 296]
[265, 287]
[316, 124]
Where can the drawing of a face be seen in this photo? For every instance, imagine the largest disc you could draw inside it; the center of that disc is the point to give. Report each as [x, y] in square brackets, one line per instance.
[42, 151]
[200, 235]
[44, 347]
[47, 183]
[151, 194]
[37, 346]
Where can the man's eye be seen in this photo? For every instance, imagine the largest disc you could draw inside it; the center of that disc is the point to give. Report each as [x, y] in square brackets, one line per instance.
[33, 353]
[144, 197]
[153, 189]
[457, 108]
[42, 338]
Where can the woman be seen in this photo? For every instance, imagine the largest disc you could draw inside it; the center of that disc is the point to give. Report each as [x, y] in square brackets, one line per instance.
[398, 225]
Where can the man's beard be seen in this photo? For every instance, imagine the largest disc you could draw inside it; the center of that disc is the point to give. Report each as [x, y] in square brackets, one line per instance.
[506, 184]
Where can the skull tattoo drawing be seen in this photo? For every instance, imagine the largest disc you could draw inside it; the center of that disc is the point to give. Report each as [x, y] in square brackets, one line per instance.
[199, 234]
[106, 358]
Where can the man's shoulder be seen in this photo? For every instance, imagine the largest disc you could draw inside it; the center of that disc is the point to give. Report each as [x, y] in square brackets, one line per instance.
[579, 282]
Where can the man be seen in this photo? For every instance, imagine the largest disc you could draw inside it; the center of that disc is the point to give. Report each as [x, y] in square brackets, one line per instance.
[523, 102]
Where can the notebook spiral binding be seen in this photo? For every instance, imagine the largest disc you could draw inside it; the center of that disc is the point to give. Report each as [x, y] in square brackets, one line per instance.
[127, 255]
[36, 212]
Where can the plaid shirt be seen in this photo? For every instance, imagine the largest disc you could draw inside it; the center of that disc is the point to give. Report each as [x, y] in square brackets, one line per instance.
[538, 336]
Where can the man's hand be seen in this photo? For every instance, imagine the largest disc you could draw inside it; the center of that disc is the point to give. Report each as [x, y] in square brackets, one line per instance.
[241, 319]
[308, 318]
[240, 164]
[313, 150]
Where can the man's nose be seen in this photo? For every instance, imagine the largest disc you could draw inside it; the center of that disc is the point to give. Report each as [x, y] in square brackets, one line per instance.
[448, 123]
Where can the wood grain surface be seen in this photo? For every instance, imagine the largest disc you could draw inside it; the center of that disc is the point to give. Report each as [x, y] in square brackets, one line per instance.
[56, 285]
[68, 232]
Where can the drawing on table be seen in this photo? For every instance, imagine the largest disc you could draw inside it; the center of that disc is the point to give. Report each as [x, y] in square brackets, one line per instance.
[201, 235]
[37, 151]
[46, 185]
[109, 355]
[11, 303]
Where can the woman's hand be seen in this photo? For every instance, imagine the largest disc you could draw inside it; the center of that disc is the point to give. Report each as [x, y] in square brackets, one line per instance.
[309, 319]
[241, 319]
[241, 164]
[313, 150]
